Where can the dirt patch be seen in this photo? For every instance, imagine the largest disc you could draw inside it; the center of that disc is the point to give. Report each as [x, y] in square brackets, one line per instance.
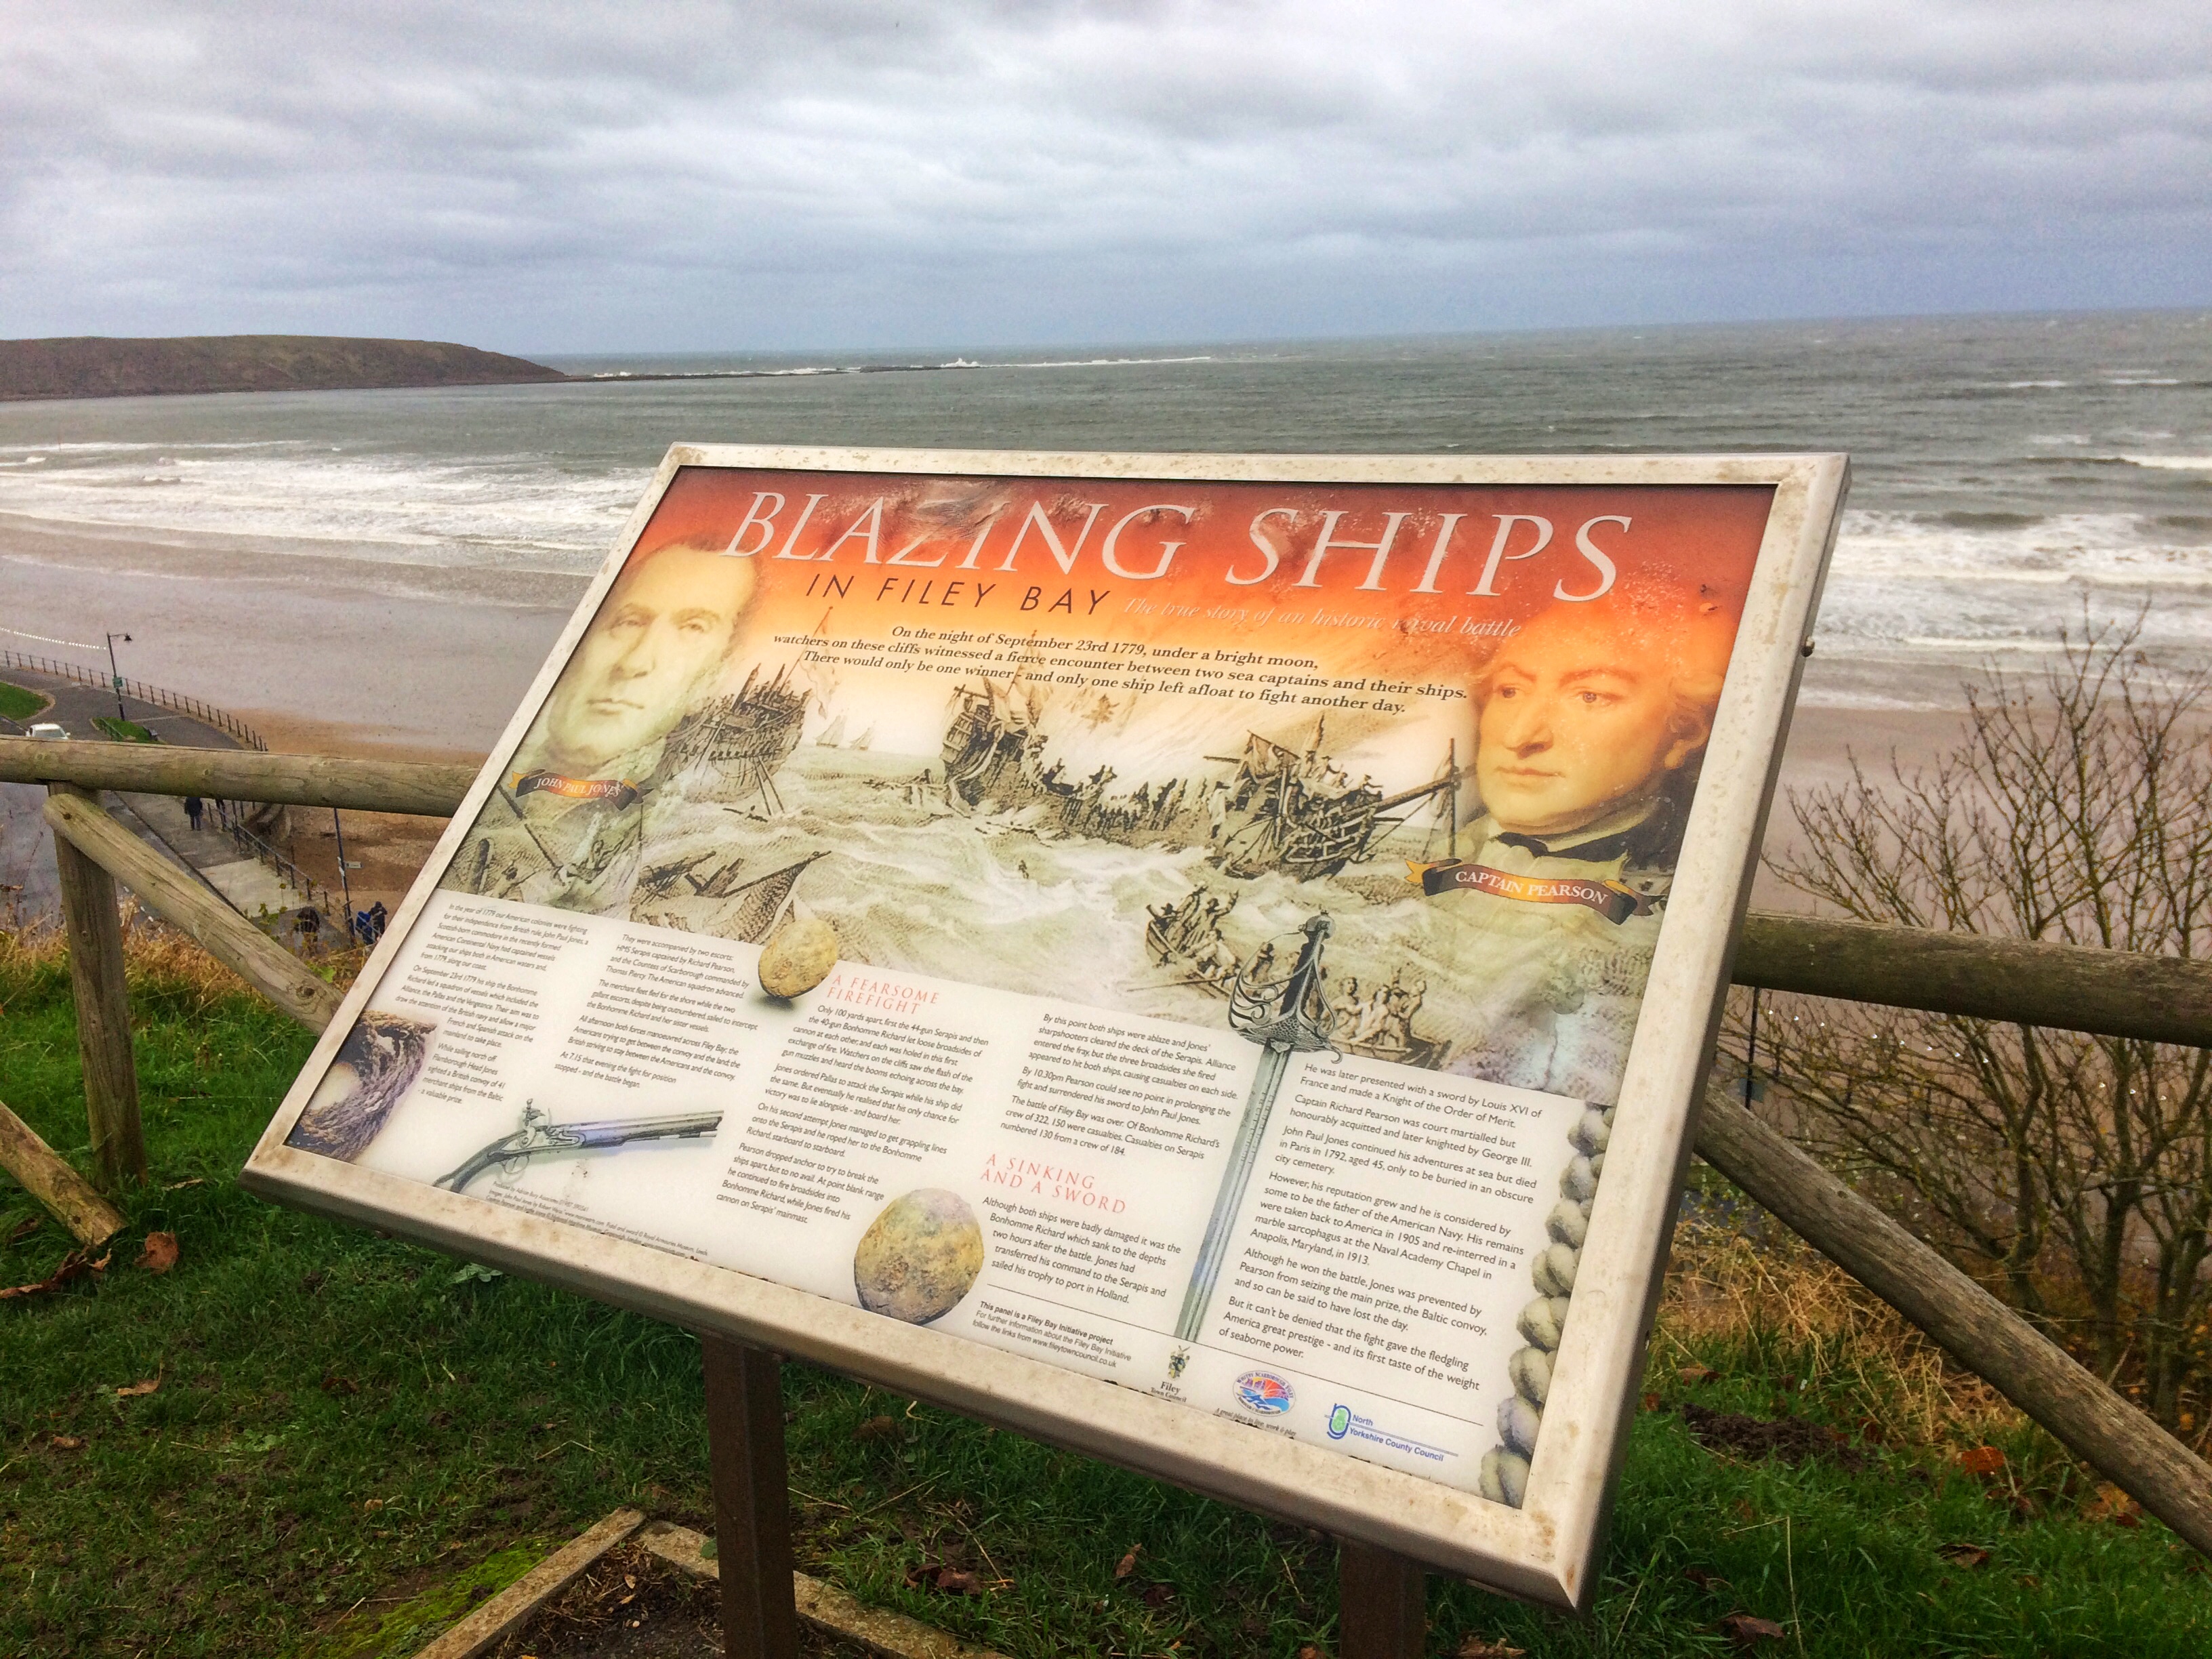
[1792, 1439]
[633, 1604]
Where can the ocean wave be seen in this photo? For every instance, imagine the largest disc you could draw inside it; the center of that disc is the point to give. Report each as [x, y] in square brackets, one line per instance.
[2173, 463]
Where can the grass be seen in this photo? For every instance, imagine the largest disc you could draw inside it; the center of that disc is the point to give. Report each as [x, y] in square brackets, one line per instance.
[123, 731]
[352, 1438]
[17, 703]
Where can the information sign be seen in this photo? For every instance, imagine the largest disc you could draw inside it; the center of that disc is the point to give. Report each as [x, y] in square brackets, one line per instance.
[1209, 960]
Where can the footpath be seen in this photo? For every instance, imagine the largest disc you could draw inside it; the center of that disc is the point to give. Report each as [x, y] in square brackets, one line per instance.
[253, 886]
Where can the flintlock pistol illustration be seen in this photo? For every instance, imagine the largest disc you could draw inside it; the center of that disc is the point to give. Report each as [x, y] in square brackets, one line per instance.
[540, 1137]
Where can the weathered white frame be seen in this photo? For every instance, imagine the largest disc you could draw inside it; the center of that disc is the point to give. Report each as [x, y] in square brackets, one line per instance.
[1547, 1550]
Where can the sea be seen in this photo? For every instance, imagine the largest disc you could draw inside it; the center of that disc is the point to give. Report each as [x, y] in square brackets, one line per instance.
[2015, 477]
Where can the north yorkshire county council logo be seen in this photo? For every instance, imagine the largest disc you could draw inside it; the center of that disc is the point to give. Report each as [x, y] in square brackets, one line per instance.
[1177, 1361]
[1340, 1422]
[1264, 1391]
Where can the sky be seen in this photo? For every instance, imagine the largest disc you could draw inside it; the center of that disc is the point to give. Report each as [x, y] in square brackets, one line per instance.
[556, 177]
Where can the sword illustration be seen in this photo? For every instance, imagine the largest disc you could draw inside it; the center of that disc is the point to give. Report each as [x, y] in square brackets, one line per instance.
[1281, 1026]
[540, 1137]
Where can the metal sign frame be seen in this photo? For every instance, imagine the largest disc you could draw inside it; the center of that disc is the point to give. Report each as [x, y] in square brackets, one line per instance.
[1548, 1549]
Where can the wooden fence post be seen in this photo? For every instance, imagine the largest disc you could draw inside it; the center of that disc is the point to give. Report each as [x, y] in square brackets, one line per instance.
[103, 1014]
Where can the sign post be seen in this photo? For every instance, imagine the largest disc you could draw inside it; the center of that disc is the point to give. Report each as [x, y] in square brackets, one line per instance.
[1209, 961]
[752, 1499]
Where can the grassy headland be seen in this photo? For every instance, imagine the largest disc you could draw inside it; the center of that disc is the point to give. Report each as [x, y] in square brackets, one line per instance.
[352, 1438]
[92, 367]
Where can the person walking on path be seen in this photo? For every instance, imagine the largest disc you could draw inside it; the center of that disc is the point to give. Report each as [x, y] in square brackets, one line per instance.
[193, 807]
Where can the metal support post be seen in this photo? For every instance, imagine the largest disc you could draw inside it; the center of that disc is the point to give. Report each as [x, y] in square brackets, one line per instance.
[1382, 1603]
[752, 1499]
[103, 1013]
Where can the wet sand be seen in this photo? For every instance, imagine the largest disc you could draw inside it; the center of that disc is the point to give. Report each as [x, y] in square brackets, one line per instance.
[360, 657]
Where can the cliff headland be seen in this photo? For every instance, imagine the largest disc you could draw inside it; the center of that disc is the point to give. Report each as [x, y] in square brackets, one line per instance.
[94, 366]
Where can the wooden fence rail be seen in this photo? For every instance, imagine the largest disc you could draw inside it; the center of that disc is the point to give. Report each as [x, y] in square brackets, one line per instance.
[2066, 987]
[2161, 999]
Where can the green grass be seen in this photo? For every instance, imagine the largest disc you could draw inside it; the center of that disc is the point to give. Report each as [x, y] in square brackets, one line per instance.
[348, 1440]
[123, 731]
[18, 704]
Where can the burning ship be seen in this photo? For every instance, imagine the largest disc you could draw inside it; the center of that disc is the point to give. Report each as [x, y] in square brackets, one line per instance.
[733, 747]
[993, 747]
[1305, 817]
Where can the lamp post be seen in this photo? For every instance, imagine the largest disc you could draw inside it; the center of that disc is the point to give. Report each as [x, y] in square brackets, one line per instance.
[115, 674]
[345, 882]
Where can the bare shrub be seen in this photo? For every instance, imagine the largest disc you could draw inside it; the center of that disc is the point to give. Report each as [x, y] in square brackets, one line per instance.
[2071, 1173]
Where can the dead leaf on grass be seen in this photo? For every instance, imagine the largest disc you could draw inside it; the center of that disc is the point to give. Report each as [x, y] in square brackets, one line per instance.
[877, 1428]
[131, 1391]
[66, 1441]
[159, 1254]
[74, 1266]
[333, 1383]
[1128, 1562]
[178, 1187]
[1478, 1647]
[1964, 1555]
[1982, 1460]
[23, 1229]
[1704, 1580]
[1698, 1374]
[2112, 1504]
[1747, 1632]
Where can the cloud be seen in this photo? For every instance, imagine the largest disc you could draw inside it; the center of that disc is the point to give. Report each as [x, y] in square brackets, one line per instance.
[698, 175]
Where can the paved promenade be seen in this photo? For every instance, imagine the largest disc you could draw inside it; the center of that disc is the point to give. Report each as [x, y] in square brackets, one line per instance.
[26, 860]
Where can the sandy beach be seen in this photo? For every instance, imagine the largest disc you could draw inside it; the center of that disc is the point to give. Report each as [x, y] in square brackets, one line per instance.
[378, 659]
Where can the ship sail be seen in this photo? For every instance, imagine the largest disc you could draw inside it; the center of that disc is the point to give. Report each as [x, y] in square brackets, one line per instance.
[832, 734]
[865, 738]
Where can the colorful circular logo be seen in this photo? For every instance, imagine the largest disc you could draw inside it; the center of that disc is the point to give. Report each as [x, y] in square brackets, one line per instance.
[1264, 1391]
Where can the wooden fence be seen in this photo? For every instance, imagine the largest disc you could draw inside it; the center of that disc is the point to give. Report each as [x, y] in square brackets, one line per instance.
[2159, 998]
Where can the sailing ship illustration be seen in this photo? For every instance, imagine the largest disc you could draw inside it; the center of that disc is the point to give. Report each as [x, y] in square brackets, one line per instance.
[992, 746]
[831, 735]
[704, 895]
[732, 747]
[1305, 817]
[865, 738]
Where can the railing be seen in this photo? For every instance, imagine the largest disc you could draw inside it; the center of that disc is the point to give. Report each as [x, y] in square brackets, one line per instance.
[287, 872]
[2162, 998]
[206, 713]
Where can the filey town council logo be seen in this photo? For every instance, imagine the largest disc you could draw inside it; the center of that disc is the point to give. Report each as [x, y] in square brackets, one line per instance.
[1265, 1392]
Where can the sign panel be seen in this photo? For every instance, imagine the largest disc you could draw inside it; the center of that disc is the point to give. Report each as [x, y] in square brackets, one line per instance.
[1207, 959]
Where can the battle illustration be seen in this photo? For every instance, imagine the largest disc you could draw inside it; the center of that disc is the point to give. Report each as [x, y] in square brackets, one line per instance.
[1490, 850]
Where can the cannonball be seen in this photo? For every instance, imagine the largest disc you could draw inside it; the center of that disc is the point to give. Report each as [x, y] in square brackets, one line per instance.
[1505, 1477]
[1553, 1270]
[1569, 1223]
[919, 1257]
[798, 957]
[1531, 1371]
[1543, 1323]
[1518, 1424]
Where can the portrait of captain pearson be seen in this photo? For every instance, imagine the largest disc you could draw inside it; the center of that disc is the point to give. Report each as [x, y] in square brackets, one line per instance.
[568, 822]
[1590, 723]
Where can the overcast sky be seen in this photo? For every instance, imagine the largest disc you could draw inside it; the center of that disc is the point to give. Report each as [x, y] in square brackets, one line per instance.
[563, 177]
